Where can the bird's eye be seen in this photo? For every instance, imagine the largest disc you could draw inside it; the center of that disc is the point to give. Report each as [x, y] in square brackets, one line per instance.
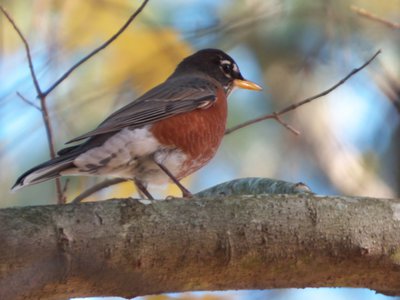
[227, 68]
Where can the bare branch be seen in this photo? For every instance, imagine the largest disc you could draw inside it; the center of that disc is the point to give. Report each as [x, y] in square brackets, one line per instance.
[27, 50]
[42, 97]
[98, 49]
[102, 185]
[305, 101]
[29, 102]
[286, 125]
[364, 13]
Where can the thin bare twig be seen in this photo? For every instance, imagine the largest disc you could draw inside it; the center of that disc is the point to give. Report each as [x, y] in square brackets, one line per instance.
[98, 49]
[29, 102]
[305, 101]
[364, 13]
[27, 49]
[41, 96]
[286, 125]
[102, 185]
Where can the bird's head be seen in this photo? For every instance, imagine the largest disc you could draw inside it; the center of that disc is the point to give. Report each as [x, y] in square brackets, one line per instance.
[218, 65]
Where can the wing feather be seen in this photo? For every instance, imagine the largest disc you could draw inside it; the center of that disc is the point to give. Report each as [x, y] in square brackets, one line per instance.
[175, 96]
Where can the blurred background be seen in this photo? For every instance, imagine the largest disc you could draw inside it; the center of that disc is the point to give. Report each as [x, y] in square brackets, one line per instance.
[349, 141]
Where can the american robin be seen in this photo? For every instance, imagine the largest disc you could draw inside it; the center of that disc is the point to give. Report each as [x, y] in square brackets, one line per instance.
[166, 134]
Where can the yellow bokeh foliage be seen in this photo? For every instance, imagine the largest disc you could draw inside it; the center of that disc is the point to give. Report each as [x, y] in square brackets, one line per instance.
[143, 53]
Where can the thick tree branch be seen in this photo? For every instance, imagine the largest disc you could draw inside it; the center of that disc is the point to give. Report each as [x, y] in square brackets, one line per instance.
[127, 248]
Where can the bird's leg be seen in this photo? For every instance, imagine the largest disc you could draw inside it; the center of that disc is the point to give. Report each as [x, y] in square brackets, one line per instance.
[185, 191]
[142, 189]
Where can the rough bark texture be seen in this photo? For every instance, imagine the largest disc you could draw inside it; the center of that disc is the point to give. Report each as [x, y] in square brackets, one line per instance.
[127, 248]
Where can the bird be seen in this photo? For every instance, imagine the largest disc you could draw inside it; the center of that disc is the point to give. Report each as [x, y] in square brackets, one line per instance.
[166, 134]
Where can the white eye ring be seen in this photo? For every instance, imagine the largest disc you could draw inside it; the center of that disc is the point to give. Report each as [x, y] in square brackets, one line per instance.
[229, 67]
[235, 68]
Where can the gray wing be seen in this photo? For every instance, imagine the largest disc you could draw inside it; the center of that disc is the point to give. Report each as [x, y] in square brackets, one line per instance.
[170, 98]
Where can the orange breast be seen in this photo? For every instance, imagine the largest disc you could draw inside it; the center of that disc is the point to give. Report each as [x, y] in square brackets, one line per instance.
[198, 133]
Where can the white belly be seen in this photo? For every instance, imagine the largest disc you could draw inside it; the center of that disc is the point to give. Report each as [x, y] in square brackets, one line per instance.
[130, 154]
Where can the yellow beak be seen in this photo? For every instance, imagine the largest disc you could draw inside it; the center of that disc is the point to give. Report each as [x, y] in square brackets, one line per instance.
[246, 84]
